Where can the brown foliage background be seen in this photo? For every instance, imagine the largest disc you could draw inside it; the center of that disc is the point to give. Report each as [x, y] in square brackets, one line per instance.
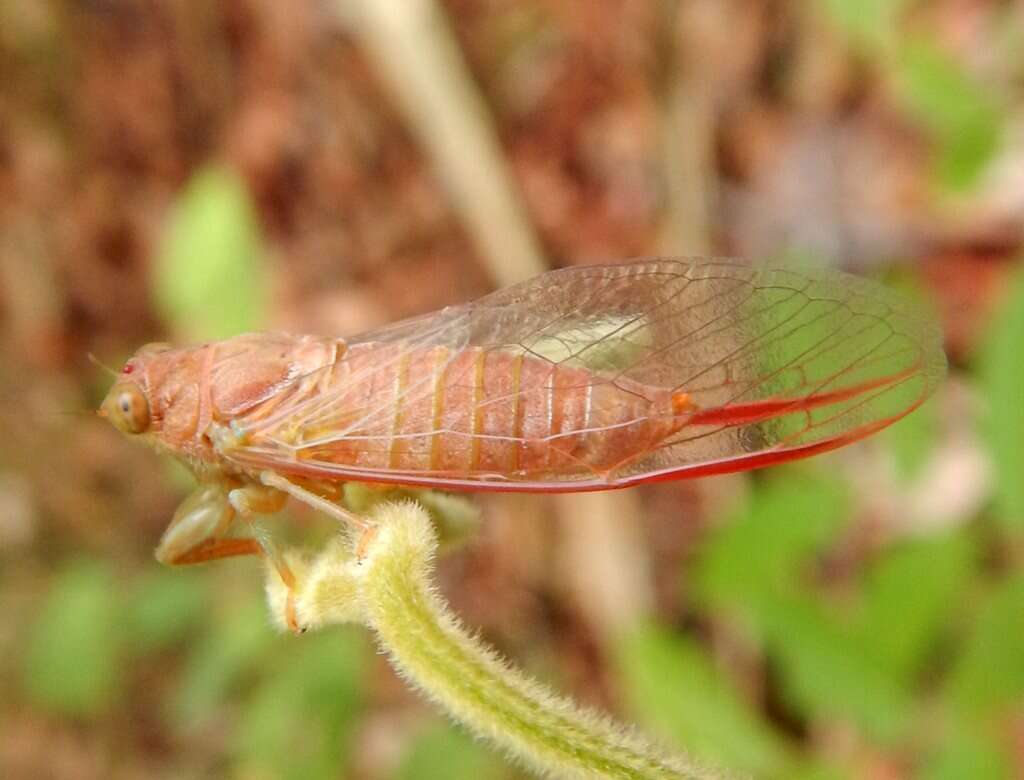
[792, 137]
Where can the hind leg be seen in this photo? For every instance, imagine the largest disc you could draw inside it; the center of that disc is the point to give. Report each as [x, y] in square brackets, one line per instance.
[350, 522]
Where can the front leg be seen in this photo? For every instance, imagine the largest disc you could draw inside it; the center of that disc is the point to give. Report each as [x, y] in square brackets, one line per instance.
[197, 532]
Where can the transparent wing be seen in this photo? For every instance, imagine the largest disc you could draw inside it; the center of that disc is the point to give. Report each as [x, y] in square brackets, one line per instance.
[777, 363]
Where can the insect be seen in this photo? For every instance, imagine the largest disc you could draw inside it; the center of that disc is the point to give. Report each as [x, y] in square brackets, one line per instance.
[586, 378]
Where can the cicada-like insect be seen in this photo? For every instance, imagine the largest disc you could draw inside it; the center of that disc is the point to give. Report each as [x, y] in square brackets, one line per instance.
[587, 378]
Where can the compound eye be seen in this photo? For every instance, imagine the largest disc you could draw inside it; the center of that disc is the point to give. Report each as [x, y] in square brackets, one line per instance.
[128, 409]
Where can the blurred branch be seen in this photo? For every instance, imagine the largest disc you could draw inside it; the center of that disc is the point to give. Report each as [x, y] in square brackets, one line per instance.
[387, 585]
[418, 56]
[603, 559]
[687, 125]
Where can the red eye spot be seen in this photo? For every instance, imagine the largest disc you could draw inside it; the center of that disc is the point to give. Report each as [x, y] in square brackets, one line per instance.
[128, 368]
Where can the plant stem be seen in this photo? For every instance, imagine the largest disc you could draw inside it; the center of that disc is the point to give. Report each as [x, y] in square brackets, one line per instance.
[430, 648]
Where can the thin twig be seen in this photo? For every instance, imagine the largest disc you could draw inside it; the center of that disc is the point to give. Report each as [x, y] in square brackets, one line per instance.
[416, 53]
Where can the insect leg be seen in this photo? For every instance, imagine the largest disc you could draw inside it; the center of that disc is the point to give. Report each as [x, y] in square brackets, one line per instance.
[253, 499]
[197, 532]
[285, 485]
[349, 520]
[215, 549]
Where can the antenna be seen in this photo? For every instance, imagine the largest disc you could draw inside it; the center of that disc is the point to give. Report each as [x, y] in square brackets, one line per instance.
[96, 362]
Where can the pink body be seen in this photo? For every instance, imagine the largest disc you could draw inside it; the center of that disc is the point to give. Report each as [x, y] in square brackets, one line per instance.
[432, 411]
[581, 379]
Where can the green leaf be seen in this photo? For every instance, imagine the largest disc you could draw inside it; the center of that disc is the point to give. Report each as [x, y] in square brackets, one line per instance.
[210, 280]
[761, 551]
[230, 650]
[446, 752]
[1002, 377]
[913, 438]
[870, 25]
[673, 687]
[962, 115]
[74, 647]
[756, 566]
[163, 606]
[989, 674]
[816, 770]
[965, 755]
[907, 598]
[300, 719]
[825, 675]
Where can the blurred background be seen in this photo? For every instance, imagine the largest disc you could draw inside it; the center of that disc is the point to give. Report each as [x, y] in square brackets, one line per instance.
[182, 169]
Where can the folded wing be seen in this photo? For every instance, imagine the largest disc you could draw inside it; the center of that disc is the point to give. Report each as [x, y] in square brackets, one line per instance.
[765, 365]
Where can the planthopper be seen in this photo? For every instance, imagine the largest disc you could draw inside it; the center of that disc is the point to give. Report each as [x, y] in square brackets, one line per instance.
[586, 378]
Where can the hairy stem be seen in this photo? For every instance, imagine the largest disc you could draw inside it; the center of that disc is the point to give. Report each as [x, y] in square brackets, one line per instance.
[389, 588]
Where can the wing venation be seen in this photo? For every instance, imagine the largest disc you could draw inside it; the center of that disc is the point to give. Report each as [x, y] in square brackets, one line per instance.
[774, 364]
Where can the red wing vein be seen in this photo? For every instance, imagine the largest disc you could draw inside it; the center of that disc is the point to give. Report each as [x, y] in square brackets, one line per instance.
[810, 353]
[877, 360]
[797, 402]
[848, 410]
[796, 360]
[791, 408]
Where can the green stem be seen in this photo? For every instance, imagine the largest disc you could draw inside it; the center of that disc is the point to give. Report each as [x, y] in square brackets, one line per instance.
[435, 653]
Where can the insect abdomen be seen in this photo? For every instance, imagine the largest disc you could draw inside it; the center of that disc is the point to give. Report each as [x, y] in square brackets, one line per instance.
[486, 411]
[482, 411]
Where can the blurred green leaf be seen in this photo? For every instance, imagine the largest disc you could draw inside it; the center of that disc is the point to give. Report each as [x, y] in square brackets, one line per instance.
[871, 25]
[299, 719]
[448, 753]
[74, 647]
[818, 771]
[761, 552]
[907, 598]
[1002, 375]
[936, 89]
[757, 566]
[163, 606]
[230, 649]
[672, 685]
[825, 675]
[178, 475]
[912, 439]
[958, 110]
[989, 673]
[210, 280]
[965, 755]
